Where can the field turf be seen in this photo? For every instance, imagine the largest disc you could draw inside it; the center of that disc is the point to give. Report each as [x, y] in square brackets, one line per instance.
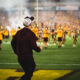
[53, 58]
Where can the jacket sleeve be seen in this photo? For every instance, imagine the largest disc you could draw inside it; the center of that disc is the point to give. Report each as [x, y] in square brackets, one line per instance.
[13, 43]
[33, 40]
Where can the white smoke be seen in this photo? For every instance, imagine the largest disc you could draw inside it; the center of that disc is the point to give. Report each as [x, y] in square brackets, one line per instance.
[15, 8]
[9, 3]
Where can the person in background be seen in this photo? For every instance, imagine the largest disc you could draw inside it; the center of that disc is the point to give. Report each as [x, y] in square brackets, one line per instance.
[64, 38]
[6, 35]
[19, 28]
[46, 37]
[59, 34]
[13, 32]
[75, 36]
[23, 44]
[35, 31]
[53, 36]
[1, 38]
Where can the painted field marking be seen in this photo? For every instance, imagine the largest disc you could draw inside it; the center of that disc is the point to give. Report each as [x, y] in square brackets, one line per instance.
[45, 64]
[15, 74]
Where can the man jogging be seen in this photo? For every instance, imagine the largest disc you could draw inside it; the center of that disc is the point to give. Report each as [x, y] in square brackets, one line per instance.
[23, 43]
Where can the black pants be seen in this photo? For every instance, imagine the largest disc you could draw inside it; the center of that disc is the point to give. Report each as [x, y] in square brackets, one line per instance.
[0, 41]
[28, 66]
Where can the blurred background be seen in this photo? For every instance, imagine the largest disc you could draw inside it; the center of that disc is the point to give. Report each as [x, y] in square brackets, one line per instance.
[47, 12]
[50, 14]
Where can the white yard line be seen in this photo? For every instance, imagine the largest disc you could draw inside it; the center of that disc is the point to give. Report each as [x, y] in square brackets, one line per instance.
[44, 64]
[6, 42]
[61, 64]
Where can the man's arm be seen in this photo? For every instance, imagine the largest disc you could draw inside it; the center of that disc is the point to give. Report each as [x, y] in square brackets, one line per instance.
[13, 43]
[33, 39]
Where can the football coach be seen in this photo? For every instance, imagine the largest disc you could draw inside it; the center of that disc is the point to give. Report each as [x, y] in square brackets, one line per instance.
[23, 44]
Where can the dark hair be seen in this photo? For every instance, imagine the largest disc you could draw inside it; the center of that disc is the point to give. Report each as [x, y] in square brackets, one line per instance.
[32, 18]
[52, 30]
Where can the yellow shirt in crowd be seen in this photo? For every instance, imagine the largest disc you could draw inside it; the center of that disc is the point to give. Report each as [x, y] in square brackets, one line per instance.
[13, 32]
[59, 33]
[35, 31]
[6, 32]
[1, 37]
[46, 33]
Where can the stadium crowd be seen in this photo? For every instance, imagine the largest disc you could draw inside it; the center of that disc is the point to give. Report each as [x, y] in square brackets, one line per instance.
[44, 33]
[64, 23]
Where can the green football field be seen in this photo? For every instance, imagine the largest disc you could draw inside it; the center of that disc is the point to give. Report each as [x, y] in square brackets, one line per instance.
[66, 57]
[53, 58]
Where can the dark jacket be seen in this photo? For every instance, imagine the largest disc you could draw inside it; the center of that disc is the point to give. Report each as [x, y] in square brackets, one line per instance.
[24, 42]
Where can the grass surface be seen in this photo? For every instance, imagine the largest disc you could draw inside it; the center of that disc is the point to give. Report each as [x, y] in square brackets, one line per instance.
[66, 57]
[59, 61]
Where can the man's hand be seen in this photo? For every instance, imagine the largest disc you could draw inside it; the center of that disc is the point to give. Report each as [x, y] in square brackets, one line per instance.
[41, 47]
